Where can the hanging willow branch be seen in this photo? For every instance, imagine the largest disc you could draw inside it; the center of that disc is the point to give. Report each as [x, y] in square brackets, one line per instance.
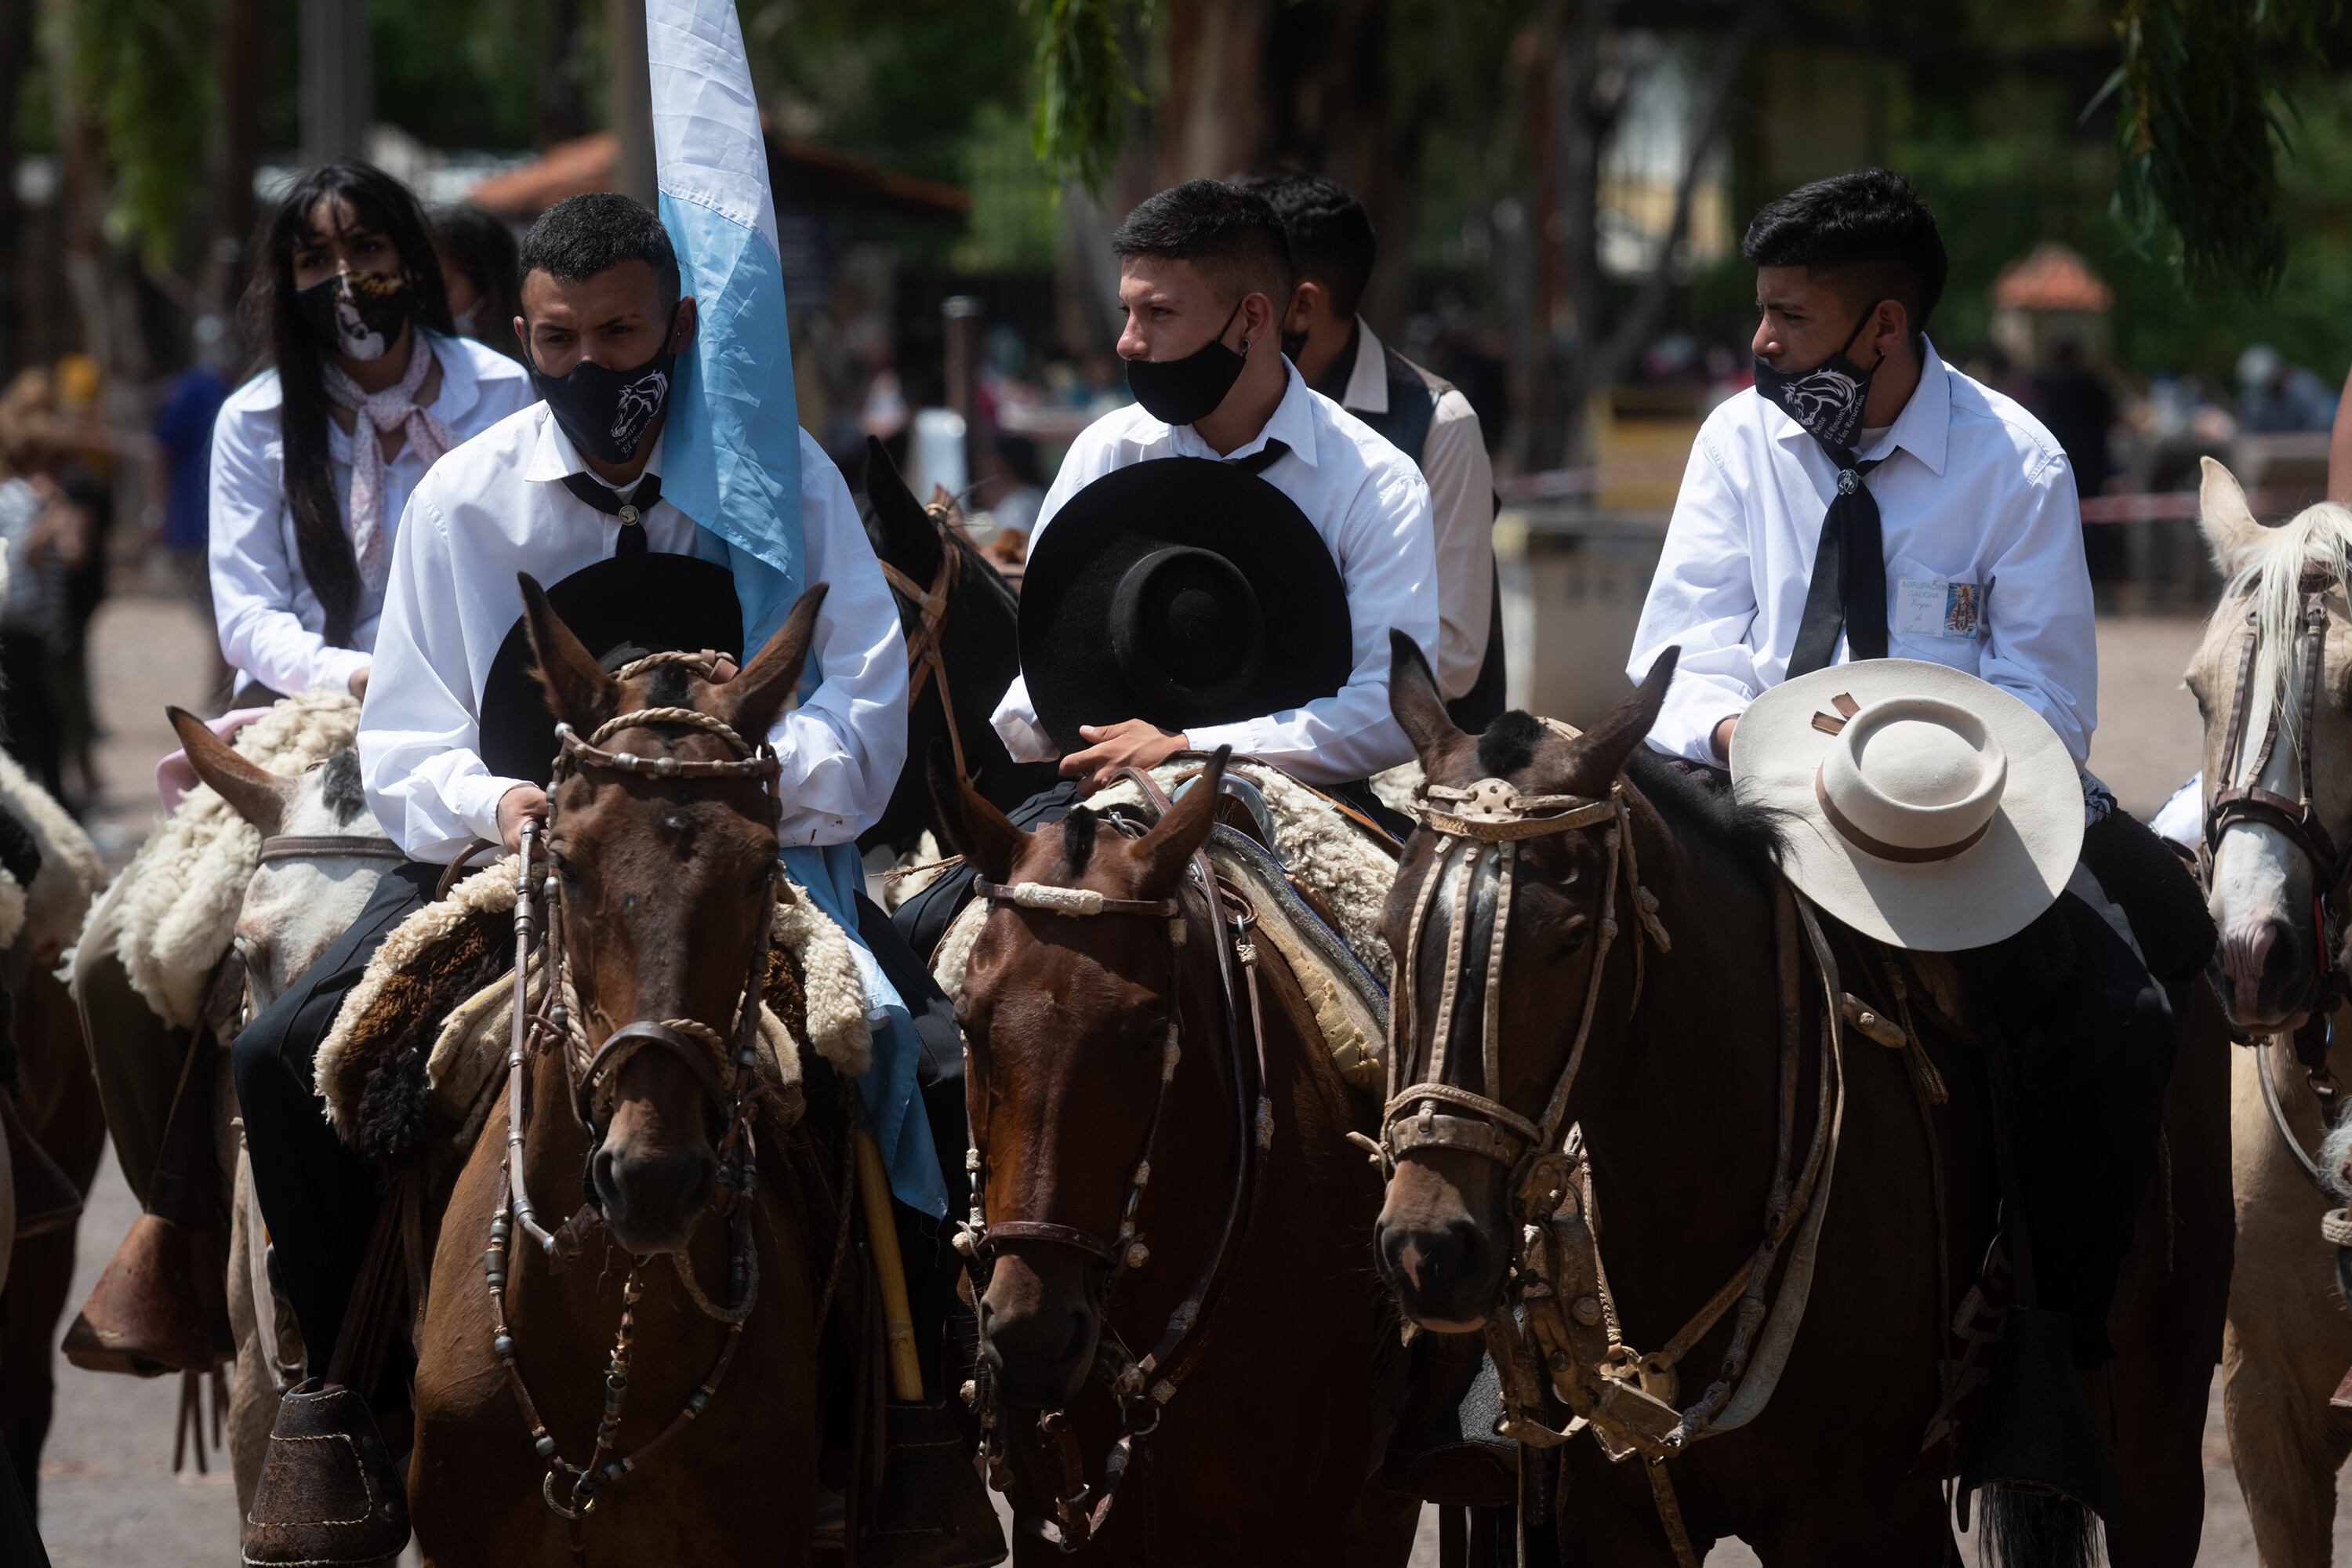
[2199, 127]
[1082, 88]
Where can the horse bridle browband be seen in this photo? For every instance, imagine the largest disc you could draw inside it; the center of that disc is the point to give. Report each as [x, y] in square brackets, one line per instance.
[1141, 1387]
[726, 1067]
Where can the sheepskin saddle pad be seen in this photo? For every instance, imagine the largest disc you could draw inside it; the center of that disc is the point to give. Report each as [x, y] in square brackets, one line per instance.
[176, 903]
[1299, 843]
[50, 870]
[425, 1031]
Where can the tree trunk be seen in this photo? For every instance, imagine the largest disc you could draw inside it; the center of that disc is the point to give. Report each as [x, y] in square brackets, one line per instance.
[101, 280]
[1212, 121]
[563, 106]
[16, 50]
[236, 147]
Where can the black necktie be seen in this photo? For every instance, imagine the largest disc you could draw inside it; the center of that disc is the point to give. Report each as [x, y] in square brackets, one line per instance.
[606, 499]
[1259, 461]
[1849, 586]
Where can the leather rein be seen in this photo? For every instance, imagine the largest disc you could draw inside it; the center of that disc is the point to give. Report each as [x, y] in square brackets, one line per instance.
[925, 659]
[2296, 819]
[724, 1064]
[1141, 1388]
[1568, 1337]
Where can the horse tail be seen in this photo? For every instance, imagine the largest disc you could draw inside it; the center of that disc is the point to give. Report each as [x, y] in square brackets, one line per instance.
[2033, 1527]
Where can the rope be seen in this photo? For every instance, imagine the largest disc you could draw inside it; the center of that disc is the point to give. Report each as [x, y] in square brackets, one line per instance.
[645, 716]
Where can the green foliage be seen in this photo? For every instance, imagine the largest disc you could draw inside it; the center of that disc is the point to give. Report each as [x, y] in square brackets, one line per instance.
[2199, 130]
[462, 73]
[1015, 210]
[1083, 85]
[131, 62]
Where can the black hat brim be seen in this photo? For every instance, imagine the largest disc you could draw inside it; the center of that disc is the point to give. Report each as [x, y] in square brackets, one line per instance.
[652, 602]
[1070, 587]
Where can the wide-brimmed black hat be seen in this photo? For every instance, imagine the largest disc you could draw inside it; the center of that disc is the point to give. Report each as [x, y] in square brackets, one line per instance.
[1183, 592]
[652, 602]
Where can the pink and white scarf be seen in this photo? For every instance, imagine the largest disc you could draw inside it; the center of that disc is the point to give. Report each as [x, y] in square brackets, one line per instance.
[395, 407]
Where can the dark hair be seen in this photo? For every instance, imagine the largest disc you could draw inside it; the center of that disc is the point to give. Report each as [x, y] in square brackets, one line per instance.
[1864, 233]
[1330, 233]
[274, 322]
[483, 249]
[579, 237]
[1230, 234]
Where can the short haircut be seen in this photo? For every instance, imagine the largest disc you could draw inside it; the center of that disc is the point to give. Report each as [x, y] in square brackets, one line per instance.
[1865, 232]
[1230, 234]
[1330, 233]
[582, 235]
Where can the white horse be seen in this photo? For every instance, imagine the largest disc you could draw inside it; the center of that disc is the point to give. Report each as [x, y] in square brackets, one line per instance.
[299, 901]
[2271, 677]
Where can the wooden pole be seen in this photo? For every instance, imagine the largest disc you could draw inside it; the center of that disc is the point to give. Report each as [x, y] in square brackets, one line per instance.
[889, 1271]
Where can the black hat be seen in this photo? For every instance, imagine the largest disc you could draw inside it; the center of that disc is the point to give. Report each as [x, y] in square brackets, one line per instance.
[650, 602]
[1183, 592]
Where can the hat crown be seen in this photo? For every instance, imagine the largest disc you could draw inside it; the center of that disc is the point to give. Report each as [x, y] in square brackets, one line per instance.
[1912, 773]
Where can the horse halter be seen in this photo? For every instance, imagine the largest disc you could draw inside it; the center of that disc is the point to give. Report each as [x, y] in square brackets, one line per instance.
[1481, 827]
[725, 1067]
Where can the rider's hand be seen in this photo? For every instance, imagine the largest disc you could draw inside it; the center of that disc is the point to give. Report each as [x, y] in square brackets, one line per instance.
[1134, 743]
[1721, 739]
[358, 683]
[522, 802]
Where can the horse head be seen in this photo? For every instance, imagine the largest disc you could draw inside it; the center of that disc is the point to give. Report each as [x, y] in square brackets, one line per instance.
[296, 905]
[1073, 1024]
[667, 883]
[2273, 677]
[1443, 1238]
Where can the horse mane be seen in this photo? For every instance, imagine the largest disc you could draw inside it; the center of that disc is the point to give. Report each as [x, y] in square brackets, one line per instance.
[2266, 568]
[1698, 804]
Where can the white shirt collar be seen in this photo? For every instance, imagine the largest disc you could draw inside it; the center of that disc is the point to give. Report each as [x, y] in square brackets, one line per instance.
[1923, 427]
[554, 459]
[1368, 379]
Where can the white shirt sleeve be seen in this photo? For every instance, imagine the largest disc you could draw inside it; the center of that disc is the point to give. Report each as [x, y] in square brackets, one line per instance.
[2043, 646]
[1391, 570]
[254, 582]
[1462, 503]
[1702, 600]
[1015, 719]
[420, 726]
[843, 747]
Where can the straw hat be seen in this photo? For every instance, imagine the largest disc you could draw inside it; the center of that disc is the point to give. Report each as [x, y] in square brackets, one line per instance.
[1925, 807]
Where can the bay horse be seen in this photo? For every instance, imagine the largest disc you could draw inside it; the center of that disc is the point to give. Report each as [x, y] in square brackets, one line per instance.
[1589, 902]
[2272, 678]
[702, 1446]
[1164, 1193]
[961, 621]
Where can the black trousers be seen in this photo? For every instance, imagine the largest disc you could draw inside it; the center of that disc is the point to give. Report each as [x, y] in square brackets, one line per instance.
[318, 1196]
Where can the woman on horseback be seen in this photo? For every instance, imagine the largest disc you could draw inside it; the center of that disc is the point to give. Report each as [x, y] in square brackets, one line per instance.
[351, 315]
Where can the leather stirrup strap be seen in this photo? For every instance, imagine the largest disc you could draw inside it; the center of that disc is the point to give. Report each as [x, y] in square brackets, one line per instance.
[374, 1307]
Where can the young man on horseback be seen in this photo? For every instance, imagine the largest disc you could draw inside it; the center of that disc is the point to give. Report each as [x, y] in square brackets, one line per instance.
[1868, 501]
[1205, 274]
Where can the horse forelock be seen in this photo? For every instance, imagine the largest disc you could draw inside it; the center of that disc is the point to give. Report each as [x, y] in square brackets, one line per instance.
[340, 788]
[2267, 570]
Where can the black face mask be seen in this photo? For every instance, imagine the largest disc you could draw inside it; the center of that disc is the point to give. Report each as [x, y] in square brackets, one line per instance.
[606, 412]
[1826, 401]
[1179, 391]
[359, 315]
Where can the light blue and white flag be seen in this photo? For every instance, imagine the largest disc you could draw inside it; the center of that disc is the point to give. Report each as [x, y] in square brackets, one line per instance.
[730, 459]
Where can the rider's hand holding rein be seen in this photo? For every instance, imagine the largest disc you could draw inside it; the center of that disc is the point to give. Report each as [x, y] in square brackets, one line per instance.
[523, 803]
[1131, 743]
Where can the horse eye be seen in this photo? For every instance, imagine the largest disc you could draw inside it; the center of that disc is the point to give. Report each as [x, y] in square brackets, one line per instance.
[1571, 938]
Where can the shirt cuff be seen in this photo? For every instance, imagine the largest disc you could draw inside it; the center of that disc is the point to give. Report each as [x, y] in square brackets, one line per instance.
[477, 806]
[1024, 740]
[1688, 729]
[334, 666]
[1243, 736]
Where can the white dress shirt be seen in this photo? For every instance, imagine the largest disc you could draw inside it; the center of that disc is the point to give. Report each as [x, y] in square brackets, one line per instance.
[497, 506]
[1452, 458]
[1372, 507]
[270, 623]
[1982, 538]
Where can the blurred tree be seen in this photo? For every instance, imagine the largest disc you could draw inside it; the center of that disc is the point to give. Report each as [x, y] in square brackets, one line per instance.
[15, 64]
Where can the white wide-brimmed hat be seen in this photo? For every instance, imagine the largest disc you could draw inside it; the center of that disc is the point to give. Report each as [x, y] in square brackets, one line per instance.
[1925, 806]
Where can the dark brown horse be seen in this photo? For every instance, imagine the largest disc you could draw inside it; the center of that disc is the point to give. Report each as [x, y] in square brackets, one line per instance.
[962, 621]
[1168, 1197]
[1677, 1094]
[667, 879]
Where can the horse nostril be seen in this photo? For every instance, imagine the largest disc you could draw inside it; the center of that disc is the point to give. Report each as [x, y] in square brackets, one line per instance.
[608, 1186]
[1075, 1346]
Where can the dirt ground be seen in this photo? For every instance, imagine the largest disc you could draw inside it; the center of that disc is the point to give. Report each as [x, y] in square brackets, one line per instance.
[108, 1497]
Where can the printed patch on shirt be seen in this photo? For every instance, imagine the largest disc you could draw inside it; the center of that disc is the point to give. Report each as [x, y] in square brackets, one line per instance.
[1935, 607]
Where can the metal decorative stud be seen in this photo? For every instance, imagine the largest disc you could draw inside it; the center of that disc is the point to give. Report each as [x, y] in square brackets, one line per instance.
[1848, 481]
[629, 515]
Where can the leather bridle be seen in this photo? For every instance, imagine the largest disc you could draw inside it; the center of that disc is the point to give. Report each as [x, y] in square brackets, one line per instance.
[725, 1065]
[926, 661]
[1142, 1388]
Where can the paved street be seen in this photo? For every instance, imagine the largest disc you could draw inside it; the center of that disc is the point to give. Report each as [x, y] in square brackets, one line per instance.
[109, 1499]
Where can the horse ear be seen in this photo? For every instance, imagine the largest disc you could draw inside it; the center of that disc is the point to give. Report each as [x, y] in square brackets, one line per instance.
[1599, 755]
[252, 792]
[1413, 697]
[579, 692]
[969, 824]
[1165, 851]
[907, 540]
[754, 698]
[2228, 523]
